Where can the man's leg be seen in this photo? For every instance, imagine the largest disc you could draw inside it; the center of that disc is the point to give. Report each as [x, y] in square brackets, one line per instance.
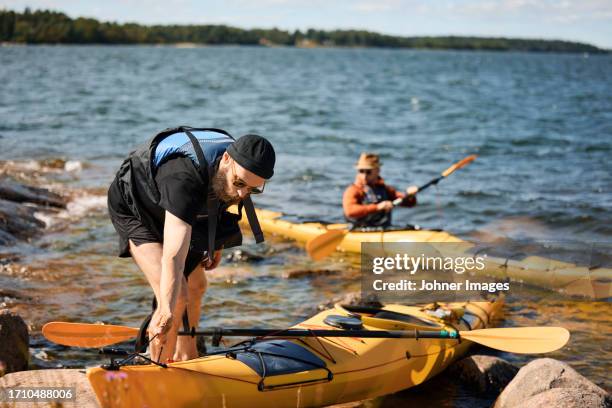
[196, 287]
[148, 258]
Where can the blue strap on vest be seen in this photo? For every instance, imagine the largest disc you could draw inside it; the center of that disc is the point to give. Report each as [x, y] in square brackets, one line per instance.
[215, 144]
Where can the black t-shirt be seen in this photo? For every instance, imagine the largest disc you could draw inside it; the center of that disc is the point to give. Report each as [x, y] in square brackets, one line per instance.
[182, 193]
[181, 190]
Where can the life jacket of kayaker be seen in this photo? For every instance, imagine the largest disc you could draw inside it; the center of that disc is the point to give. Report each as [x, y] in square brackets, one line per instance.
[373, 195]
[204, 146]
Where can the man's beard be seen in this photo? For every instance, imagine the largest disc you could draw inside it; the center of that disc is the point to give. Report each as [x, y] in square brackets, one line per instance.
[219, 185]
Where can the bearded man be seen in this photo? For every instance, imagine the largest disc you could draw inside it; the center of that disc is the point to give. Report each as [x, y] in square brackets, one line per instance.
[168, 204]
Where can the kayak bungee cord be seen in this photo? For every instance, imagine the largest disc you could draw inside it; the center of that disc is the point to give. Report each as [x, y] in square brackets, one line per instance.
[116, 365]
[216, 335]
[245, 346]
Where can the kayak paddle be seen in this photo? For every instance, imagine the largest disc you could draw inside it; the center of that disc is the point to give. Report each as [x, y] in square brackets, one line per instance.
[87, 334]
[523, 340]
[462, 163]
[322, 245]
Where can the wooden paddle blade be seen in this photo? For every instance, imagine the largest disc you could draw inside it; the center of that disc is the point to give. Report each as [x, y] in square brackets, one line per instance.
[87, 335]
[459, 165]
[322, 245]
[522, 340]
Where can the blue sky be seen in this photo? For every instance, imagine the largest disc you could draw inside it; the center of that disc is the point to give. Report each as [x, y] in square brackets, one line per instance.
[586, 21]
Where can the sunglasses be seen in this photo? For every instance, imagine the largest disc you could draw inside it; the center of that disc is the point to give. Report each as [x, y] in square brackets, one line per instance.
[239, 183]
[365, 171]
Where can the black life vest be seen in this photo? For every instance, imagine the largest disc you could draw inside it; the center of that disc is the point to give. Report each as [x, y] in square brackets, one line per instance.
[373, 195]
[142, 163]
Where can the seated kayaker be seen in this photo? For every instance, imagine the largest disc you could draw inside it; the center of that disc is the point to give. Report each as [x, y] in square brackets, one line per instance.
[368, 201]
[169, 203]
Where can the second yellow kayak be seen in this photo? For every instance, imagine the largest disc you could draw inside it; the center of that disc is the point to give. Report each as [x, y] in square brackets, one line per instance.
[568, 278]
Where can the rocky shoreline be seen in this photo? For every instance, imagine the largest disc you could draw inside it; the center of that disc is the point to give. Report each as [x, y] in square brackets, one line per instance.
[32, 196]
[36, 200]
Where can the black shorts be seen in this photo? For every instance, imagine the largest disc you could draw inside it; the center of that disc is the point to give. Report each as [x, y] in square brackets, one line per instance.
[129, 227]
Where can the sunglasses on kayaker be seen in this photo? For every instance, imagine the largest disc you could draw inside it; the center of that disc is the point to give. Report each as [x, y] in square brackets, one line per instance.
[367, 172]
[240, 183]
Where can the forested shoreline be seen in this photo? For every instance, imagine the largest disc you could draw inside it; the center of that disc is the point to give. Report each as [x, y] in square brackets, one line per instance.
[52, 27]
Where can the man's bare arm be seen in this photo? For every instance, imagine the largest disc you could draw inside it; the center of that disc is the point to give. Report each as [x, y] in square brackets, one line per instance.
[177, 235]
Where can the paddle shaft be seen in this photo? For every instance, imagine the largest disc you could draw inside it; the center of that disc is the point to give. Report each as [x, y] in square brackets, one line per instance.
[524, 340]
[377, 334]
[430, 183]
[444, 174]
[515, 340]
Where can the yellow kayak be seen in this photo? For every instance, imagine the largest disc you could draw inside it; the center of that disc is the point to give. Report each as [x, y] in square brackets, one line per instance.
[308, 371]
[568, 278]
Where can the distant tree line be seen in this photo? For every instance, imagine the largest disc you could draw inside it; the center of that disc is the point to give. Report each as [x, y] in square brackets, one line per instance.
[51, 27]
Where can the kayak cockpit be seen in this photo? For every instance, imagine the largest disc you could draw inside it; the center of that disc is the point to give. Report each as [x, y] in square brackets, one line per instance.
[282, 359]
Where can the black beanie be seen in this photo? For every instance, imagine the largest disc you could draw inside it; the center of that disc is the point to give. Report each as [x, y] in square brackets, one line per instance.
[255, 154]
